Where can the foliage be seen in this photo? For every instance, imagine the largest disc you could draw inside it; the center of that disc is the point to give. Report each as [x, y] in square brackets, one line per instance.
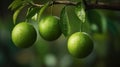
[64, 22]
[92, 20]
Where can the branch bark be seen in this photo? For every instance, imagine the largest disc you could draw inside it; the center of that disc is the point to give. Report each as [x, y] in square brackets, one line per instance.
[89, 6]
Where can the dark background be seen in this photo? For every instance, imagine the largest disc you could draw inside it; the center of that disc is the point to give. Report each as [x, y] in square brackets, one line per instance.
[106, 51]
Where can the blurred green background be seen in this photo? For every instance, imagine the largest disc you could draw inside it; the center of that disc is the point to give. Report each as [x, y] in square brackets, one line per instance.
[102, 25]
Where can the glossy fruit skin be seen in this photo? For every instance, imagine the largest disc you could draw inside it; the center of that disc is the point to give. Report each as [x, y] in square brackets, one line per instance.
[24, 35]
[49, 28]
[80, 45]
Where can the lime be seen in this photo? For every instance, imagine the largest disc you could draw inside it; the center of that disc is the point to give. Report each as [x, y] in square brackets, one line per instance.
[24, 35]
[80, 44]
[49, 28]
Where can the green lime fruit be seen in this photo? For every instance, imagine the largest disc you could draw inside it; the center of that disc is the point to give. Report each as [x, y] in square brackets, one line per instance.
[24, 35]
[80, 44]
[49, 28]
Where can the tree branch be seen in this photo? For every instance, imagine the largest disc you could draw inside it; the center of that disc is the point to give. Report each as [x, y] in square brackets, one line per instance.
[100, 5]
[88, 6]
[65, 2]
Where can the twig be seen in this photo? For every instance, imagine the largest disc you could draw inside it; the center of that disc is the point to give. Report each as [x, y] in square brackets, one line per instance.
[99, 5]
[65, 2]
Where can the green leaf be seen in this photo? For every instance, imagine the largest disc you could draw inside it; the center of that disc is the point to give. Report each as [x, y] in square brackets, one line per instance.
[15, 4]
[64, 22]
[16, 14]
[35, 17]
[32, 12]
[80, 12]
[42, 10]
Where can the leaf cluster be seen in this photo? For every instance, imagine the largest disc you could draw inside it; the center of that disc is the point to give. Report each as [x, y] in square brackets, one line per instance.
[35, 13]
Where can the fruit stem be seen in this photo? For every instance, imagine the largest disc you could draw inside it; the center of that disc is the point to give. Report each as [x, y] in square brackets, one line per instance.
[52, 8]
[81, 25]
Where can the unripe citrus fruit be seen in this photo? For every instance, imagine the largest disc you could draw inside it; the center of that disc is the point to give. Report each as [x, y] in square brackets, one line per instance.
[80, 44]
[49, 28]
[24, 35]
